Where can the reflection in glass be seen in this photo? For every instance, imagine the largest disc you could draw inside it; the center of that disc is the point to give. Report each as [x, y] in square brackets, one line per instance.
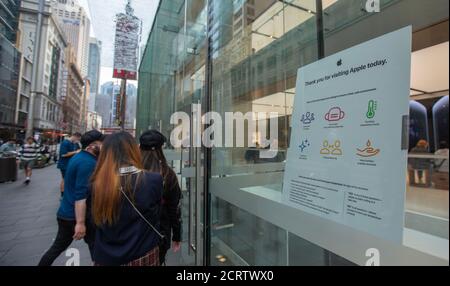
[440, 122]
[418, 123]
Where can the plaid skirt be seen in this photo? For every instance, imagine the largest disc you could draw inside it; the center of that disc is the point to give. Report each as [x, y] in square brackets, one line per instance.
[150, 259]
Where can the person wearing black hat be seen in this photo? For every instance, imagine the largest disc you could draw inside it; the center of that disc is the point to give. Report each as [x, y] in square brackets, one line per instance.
[71, 215]
[151, 145]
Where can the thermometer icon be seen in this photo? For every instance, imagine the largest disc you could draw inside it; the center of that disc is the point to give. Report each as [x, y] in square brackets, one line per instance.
[372, 109]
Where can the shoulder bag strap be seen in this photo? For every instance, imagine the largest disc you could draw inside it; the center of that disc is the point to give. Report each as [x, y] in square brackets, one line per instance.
[140, 214]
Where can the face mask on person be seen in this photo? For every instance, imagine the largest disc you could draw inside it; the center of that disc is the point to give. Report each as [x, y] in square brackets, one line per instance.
[94, 149]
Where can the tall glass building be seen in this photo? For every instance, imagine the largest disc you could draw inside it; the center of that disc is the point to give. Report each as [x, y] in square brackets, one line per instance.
[243, 56]
[10, 58]
[9, 19]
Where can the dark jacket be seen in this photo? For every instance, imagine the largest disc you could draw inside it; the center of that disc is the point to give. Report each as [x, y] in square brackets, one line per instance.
[171, 212]
[130, 237]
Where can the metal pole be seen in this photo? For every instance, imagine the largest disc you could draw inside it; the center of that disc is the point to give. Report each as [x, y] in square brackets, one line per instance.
[34, 75]
[123, 106]
[207, 101]
[320, 29]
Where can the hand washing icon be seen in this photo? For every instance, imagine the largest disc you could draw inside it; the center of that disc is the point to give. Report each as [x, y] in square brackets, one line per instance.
[368, 151]
[335, 114]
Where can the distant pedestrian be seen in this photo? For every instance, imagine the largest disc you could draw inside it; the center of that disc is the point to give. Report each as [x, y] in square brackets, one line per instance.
[126, 203]
[73, 214]
[28, 155]
[421, 166]
[155, 161]
[67, 150]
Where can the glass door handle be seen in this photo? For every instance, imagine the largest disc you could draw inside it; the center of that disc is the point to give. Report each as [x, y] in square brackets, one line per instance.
[225, 226]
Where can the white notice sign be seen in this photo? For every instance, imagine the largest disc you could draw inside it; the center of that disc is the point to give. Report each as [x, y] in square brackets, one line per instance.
[348, 155]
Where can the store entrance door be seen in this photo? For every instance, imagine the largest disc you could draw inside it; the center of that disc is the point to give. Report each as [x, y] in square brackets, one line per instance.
[193, 173]
[188, 164]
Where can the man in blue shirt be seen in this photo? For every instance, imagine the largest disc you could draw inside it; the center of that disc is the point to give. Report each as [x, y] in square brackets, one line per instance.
[67, 150]
[71, 215]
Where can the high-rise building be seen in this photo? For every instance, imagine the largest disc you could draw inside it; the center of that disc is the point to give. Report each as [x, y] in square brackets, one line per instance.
[10, 58]
[85, 104]
[50, 65]
[106, 104]
[130, 114]
[94, 121]
[95, 47]
[76, 24]
[9, 19]
[73, 101]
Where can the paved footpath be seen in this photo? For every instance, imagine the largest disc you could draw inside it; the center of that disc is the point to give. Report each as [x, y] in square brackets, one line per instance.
[28, 220]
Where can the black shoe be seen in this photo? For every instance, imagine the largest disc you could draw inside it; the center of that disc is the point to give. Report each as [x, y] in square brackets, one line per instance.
[27, 182]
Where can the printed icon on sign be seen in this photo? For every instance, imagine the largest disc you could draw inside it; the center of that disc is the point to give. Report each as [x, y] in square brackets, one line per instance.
[335, 114]
[369, 151]
[334, 149]
[305, 144]
[308, 118]
[373, 105]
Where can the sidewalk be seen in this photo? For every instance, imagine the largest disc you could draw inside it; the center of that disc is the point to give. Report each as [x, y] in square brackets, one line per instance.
[28, 220]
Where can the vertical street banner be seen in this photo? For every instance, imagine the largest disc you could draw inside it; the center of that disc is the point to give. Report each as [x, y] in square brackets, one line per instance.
[348, 156]
[127, 38]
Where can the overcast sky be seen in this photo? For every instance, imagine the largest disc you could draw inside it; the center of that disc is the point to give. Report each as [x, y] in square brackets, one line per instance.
[102, 14]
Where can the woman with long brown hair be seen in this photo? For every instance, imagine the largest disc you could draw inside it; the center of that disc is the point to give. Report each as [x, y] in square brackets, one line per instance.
[126, 203]
[153, 160]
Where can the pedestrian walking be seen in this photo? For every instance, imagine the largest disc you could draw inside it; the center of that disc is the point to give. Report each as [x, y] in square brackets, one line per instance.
[73, 215]
[153, 160]
[67, 150]
[28, 155]
[126, 203]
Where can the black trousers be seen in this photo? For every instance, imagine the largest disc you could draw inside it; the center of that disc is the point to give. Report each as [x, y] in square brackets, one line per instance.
[64, 238]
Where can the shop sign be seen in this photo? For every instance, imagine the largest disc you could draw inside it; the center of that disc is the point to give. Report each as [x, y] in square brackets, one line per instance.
[348, 154]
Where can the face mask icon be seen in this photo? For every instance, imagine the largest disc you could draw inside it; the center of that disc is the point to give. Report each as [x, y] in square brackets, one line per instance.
[335, 114]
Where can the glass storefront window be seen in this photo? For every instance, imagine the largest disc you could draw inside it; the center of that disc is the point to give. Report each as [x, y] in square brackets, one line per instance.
[243, 56]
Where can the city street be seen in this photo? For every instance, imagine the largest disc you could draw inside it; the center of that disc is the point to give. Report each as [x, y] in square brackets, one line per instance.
[28, 220]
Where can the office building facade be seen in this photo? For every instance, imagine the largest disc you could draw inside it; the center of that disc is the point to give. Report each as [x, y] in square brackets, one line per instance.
[106, 105]
[10, 57]
[9, 19]
[95, 51]
[73, 101]
[51, 64]
[76, 25]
